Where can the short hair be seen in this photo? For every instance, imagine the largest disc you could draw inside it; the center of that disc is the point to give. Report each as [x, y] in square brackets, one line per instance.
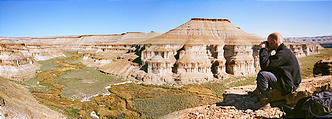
[276, 36]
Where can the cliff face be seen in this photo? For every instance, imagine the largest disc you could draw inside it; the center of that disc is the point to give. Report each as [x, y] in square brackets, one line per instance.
[17, 102]
[203, 49]
[303, 49]
[14, 65]
[39, 51]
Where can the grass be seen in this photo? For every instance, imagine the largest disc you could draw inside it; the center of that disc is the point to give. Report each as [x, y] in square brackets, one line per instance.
[47, 65]
[19, 100]
[155, 101]
[307, 63]
[162, 105]
[85, 82]
[65, 77]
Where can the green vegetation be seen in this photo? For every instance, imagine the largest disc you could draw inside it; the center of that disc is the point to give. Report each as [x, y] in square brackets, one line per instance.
[87, 81]
[21, 102]
[48, 65]
[53, 87]
[165, 104]
[155, 101]
[307, 63]
[63, 79]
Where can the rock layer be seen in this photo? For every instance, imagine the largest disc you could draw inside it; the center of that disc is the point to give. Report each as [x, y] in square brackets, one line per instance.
[16, 66]
[304, 49]
[203, 49]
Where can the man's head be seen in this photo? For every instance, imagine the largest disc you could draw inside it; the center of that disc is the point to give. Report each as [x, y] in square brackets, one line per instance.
[274, 39]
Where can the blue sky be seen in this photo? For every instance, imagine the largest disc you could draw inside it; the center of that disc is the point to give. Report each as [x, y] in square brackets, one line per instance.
[37, 18]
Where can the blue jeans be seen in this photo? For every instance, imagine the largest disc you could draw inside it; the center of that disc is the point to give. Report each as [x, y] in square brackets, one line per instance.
[265, 81]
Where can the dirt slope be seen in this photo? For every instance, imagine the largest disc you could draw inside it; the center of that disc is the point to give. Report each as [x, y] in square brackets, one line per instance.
[17, 102]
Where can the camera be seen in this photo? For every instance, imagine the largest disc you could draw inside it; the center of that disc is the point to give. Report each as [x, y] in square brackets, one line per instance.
[266, 43]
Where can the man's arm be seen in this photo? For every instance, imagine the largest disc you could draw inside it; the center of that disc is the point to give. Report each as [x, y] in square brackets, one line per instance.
[268, 62]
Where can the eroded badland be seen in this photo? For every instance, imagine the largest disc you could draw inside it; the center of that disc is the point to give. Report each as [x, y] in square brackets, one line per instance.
[142, 75]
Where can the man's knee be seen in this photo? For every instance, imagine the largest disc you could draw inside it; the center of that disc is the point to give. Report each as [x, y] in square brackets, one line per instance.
[262, 74]
[265, 74]
[267, 77]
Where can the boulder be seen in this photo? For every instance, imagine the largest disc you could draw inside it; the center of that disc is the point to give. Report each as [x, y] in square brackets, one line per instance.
[323, 67]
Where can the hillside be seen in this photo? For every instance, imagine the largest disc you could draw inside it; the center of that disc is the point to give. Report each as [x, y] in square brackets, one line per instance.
[17, 102]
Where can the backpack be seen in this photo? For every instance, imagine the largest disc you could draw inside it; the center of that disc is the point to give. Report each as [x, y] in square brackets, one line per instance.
[319, 105]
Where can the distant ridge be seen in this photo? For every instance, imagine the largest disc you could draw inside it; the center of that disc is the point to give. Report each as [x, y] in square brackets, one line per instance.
[206, 31]
[325, 41]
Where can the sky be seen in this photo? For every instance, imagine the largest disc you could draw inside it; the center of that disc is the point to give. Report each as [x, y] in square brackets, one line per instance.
[40, 18]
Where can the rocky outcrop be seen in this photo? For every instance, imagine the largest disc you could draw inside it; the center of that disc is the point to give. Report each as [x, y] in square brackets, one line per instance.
[223, 112]
[193, 65]
[126, 42]
[97, 59]
[237, 103]
[304, 49]
[323, 67]
[203, 49]
[240, 60]
[43, 52]
[37, 51]
[14, 65]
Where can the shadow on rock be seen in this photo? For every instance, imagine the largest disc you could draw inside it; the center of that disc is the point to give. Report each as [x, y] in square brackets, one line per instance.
[239, 101]
[244, 102]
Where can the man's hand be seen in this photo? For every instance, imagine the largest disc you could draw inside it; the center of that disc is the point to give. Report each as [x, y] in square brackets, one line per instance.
[263, 45]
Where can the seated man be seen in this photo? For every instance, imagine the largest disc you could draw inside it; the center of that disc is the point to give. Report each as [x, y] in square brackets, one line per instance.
[281, 71]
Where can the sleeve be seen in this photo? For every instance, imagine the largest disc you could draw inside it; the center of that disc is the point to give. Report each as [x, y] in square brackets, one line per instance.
[268, 62]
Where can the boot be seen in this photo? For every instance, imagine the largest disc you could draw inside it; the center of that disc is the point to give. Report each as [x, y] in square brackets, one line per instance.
[254, 93]
[263, 103]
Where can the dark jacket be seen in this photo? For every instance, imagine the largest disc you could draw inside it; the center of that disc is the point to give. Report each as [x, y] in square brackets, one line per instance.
[284, 66]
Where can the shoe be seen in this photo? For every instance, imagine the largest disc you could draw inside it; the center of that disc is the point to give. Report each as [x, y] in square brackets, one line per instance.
[254, 93]
[263, 103]
[276, 95]
[265, 106]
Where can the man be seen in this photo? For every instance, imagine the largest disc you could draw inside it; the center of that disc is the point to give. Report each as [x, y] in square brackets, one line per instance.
[281, 71]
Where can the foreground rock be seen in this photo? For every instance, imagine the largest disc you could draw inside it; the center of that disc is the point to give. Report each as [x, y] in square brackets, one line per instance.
[237, 103]
[213, 111]
[323, 67]
[17, 102]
